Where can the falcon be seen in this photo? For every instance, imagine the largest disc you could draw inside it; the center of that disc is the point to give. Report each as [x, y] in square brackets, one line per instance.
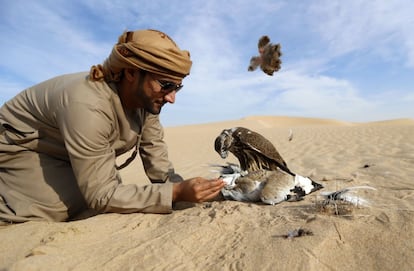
[253, 150]
[263, 175]
[269, 57]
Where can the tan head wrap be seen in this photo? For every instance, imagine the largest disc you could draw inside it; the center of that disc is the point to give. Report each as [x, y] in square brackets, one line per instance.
[149, 50]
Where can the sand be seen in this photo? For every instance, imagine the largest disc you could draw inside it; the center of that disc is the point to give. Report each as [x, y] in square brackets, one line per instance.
[229, 235]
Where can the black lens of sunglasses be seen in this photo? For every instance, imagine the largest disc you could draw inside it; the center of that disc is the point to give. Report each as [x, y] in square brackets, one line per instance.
[169, 86]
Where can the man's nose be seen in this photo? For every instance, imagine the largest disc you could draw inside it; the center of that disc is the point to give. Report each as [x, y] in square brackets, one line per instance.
[170, 97]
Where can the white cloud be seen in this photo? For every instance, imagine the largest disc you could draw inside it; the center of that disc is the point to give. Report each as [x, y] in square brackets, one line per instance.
[44, 42]
[377, 26]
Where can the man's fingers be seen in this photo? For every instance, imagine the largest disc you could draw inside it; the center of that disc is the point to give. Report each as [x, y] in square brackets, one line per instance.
[210, 189]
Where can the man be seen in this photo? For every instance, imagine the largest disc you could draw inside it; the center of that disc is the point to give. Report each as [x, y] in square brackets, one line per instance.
[59, 139]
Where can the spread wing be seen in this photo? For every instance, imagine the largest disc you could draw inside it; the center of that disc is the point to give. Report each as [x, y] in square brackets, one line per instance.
[254, 63]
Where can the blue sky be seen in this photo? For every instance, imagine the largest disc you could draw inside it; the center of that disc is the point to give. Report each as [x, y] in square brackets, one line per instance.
[347, 60]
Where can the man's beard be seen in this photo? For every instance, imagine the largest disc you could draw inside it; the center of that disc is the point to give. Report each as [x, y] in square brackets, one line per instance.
[154, 107]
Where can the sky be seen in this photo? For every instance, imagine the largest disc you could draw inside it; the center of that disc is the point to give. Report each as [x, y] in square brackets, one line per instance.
[346, 60]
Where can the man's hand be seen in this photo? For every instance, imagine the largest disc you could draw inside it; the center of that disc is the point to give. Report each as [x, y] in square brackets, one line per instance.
[197, 189]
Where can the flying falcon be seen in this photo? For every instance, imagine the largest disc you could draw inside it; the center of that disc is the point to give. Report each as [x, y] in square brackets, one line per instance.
[263, 174]
[269, 57]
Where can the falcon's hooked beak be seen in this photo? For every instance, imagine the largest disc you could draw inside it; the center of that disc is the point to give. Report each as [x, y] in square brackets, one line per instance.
[220, 145]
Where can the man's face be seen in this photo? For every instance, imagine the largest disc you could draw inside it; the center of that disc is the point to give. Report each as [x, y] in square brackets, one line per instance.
[145, 90]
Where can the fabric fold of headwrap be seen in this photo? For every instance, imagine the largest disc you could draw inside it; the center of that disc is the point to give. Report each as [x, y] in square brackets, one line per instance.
[150, 50]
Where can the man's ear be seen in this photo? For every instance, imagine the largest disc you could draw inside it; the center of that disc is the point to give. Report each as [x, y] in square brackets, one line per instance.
[130, 74]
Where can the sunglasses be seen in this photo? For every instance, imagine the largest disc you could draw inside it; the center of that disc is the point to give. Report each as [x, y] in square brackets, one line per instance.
[168, 87]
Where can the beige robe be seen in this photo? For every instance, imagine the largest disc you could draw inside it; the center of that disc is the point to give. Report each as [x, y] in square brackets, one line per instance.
[58, 144]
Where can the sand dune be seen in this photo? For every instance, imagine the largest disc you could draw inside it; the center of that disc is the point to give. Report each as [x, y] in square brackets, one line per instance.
[228, 235]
